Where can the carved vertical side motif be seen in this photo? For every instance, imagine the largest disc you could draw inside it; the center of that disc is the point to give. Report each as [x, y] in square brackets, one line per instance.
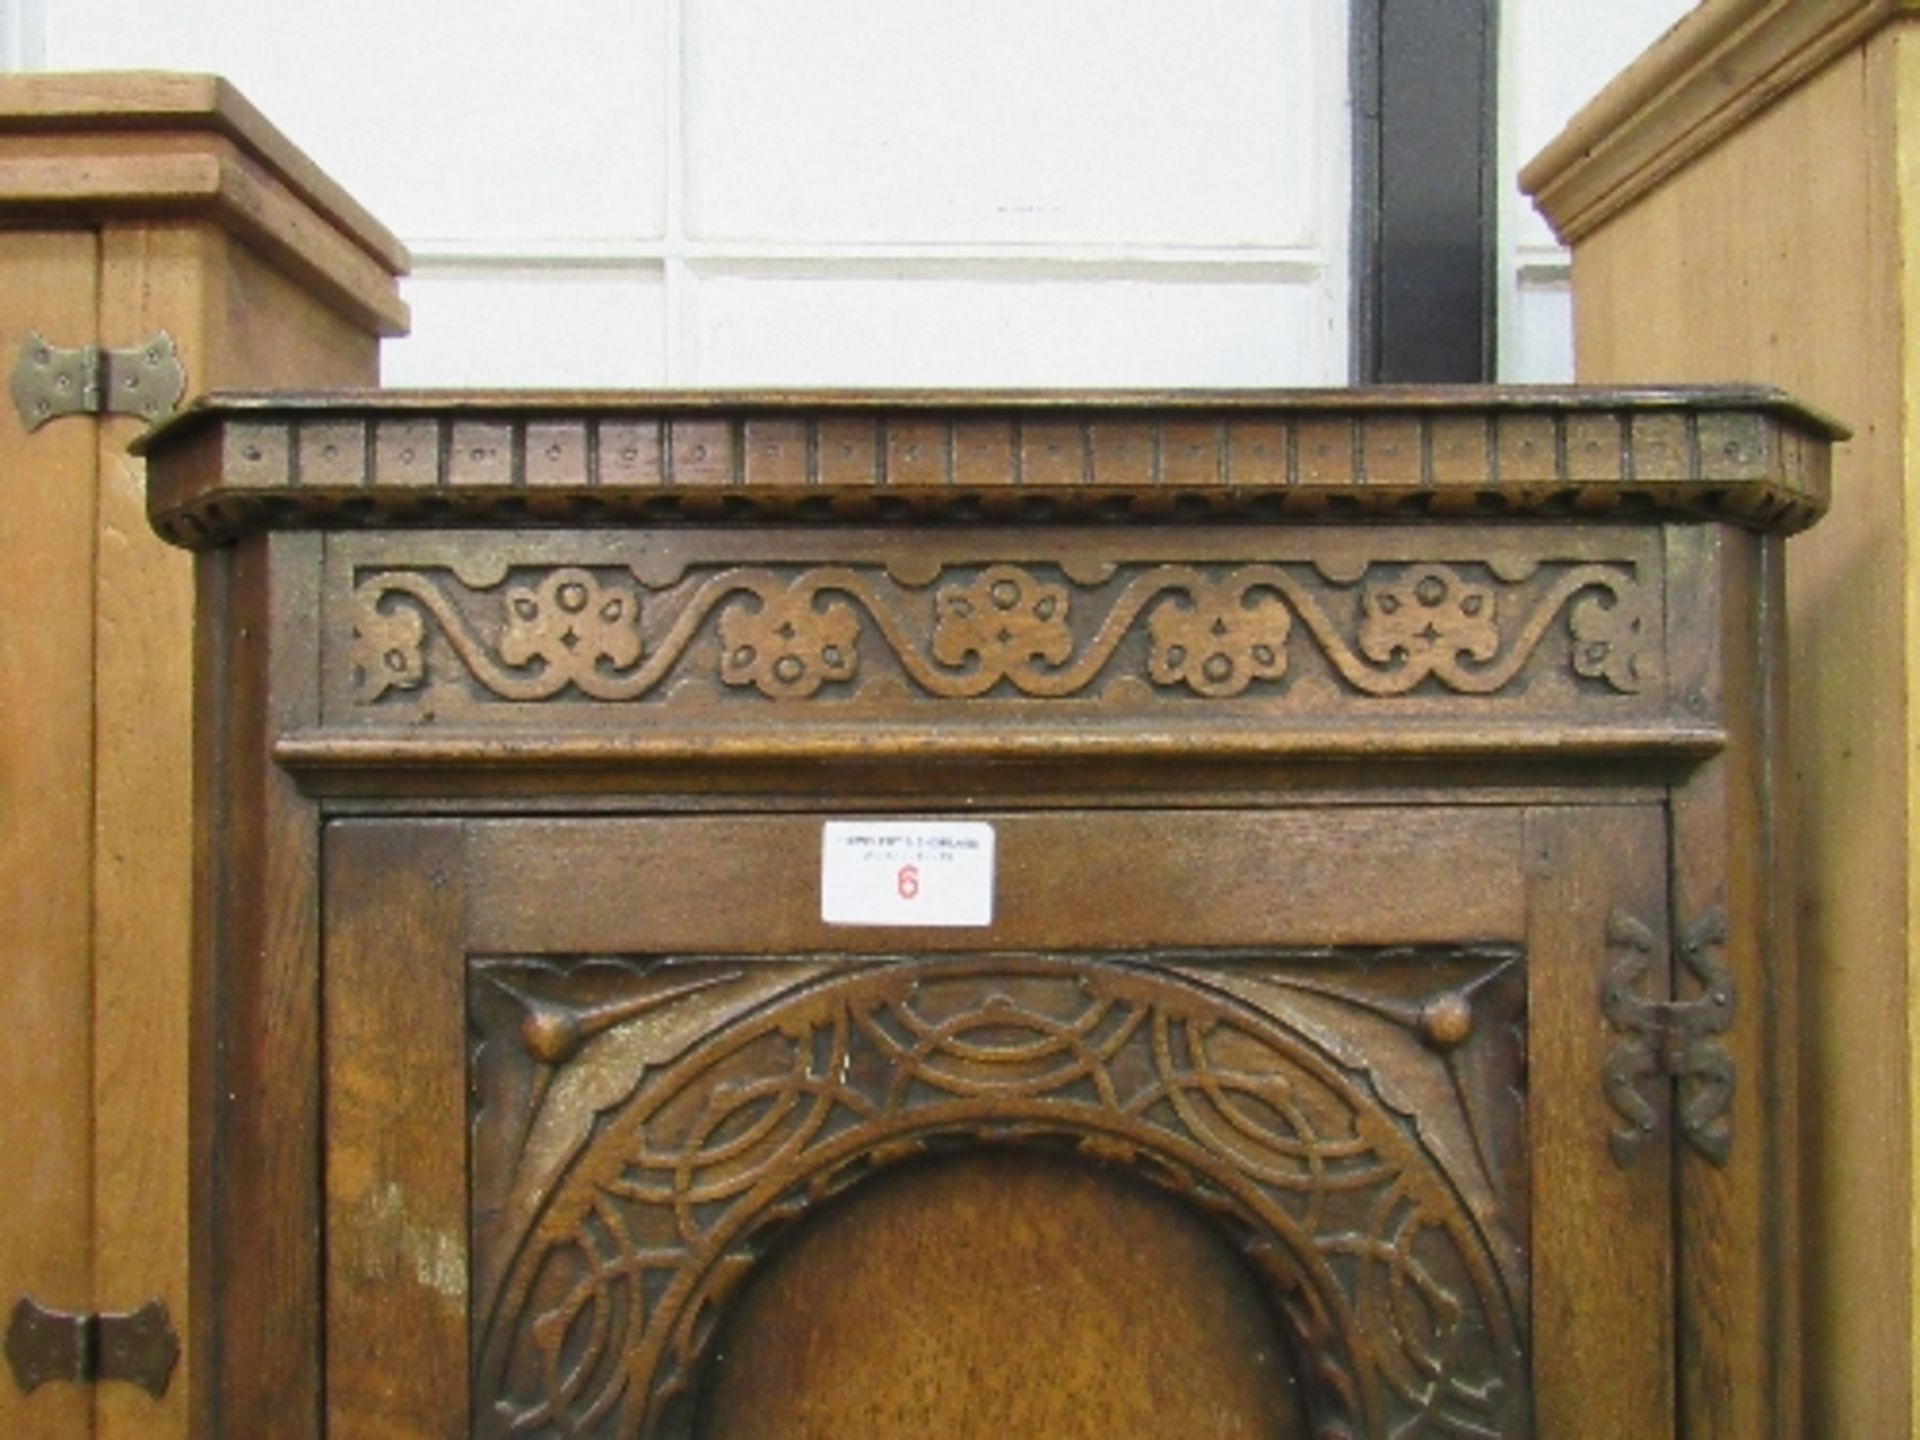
[1670, 1041]
[646, 1128]
[1704, 1067]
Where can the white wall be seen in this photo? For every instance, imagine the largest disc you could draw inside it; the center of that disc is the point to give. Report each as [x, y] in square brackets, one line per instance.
[21, 43]
[728, 192]
[1555, 56]
[855, 192]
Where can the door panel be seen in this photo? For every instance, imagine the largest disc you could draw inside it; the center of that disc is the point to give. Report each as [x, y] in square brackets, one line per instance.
[49, 281]
[1091, 1305]
[1603, 1270]
[1085, 879]
[601, 1068]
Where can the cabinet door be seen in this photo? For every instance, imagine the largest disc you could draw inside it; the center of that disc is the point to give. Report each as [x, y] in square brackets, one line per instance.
[48, 279]
[96, 836]
[1283, 1122]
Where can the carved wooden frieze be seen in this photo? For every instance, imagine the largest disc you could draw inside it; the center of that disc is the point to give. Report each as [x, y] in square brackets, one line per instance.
[1389, 622]
[645, 1128]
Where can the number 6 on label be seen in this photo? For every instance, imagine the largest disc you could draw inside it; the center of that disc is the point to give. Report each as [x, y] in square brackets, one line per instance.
[906, 872]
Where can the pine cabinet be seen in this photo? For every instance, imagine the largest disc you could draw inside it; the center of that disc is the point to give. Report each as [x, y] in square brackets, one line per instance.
[157, 237]
[1808, 111]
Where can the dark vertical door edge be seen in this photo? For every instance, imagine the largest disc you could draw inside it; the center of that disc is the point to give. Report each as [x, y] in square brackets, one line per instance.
[1424, 142]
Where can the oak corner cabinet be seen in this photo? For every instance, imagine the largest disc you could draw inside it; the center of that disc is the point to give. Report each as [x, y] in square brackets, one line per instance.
[967, 915]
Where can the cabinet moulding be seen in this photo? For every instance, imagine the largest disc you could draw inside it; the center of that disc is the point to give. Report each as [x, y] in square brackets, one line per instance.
[1698, 84]
[119, 148]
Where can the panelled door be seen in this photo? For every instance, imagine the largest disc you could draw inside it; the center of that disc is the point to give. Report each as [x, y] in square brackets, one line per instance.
[47, 810]
[1230, 1122]
[95, 843]
[157, 240]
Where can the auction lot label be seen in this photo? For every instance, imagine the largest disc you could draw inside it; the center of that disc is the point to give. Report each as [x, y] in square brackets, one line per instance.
[906, 872]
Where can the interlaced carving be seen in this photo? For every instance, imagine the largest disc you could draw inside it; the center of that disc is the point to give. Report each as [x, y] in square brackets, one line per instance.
[694, 1158]
[1002, 628]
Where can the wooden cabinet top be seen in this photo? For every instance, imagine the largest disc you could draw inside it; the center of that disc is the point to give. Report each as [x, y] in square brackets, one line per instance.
[1724, 63]
[102, 148]
[240, 463]
[581, 580]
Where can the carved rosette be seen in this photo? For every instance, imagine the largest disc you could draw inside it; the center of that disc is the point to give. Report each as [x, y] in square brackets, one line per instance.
[786, 644]
[572, 628]
[389, 646]
[1019, 631]
[598, 1293]
[1429, 621]
[1218, 638]
[1006, 623]
[1608, 640]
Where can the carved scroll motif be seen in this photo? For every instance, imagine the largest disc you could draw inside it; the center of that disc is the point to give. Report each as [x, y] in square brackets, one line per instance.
[1670, 1039]
[713, 1116]
[798, 633]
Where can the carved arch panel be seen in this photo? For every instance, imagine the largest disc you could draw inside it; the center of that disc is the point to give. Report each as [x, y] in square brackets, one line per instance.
[645, 1128]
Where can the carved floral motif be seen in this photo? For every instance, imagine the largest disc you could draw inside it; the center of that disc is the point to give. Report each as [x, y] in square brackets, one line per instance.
[1006, 623]
[1217, 639]
[387, 648]
[788, 645]
[791, 634]
[572, 627]
[1426, 622]
[1607, 640]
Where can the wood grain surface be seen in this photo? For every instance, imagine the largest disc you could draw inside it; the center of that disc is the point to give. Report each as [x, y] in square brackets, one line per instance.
[48, 280]
[135, 204]
[1440, 1040]
[1002, 1294]
[1705, 277]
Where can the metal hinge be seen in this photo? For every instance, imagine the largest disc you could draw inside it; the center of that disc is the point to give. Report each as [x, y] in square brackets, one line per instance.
[140, 1348]
[1672, 1039]
[144, 380]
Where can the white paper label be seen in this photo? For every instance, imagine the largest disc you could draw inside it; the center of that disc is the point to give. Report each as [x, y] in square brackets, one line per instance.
[906, 872]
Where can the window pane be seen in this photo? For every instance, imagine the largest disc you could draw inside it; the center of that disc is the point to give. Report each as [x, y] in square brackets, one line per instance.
[540, 327]
[934, 330]
[957, 121]
[472, 118]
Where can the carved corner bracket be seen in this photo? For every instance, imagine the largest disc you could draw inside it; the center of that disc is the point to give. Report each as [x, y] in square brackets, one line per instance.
[1676, 1040]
